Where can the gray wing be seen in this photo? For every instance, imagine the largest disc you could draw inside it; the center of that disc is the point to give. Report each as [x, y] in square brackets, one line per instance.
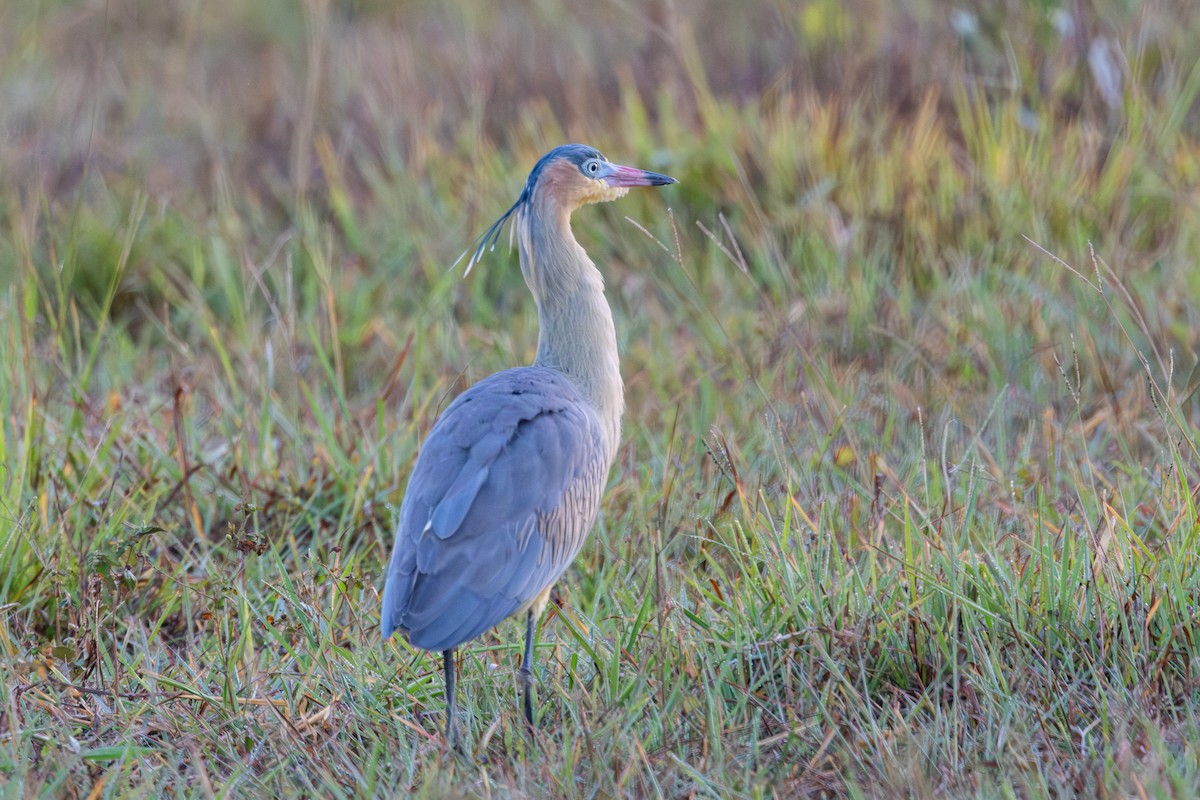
[501, 499]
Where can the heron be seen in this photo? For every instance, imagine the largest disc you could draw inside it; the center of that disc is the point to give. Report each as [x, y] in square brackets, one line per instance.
[508, 482]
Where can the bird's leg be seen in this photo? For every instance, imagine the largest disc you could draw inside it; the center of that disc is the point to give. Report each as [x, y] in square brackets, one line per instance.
[527, 670]
[448, 669]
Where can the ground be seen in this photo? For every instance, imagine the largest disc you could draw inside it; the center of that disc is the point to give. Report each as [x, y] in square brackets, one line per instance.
[906, 503]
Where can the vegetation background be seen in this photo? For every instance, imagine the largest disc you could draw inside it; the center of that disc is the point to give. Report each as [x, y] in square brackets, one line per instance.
[907, 500]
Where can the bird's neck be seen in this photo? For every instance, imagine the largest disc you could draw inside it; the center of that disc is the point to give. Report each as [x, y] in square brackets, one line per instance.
[575, 326]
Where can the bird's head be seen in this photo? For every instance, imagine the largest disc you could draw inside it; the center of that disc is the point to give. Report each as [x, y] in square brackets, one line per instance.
[570, 176]
[574, 175]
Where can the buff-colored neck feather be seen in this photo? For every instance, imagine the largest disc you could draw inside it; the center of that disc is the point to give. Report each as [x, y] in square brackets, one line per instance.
[575, 334]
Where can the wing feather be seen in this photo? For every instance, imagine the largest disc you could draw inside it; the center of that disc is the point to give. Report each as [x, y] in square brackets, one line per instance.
[501, 499]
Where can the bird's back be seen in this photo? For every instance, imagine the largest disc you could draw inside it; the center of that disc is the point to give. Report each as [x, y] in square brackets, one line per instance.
[503, 494]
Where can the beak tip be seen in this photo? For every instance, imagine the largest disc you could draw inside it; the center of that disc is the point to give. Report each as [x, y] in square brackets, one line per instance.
[658, 179]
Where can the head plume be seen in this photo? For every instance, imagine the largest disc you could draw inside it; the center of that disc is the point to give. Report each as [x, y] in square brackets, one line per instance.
[575, 153]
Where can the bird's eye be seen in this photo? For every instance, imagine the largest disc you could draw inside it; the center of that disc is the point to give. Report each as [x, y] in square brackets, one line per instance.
[592, 166]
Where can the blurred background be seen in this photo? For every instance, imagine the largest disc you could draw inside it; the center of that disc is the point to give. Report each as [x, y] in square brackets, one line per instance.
[914, 339]
[873, 161]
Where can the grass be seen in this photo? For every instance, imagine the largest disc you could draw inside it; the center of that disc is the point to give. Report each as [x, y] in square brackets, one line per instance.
[907, 499]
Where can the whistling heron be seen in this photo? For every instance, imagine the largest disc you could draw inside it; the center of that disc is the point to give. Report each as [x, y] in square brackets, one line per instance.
[507, 485]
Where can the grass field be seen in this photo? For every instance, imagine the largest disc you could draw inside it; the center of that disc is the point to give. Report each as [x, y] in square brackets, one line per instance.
[907, 500]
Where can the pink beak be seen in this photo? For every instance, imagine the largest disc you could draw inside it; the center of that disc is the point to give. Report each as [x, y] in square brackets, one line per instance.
[632, 176]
